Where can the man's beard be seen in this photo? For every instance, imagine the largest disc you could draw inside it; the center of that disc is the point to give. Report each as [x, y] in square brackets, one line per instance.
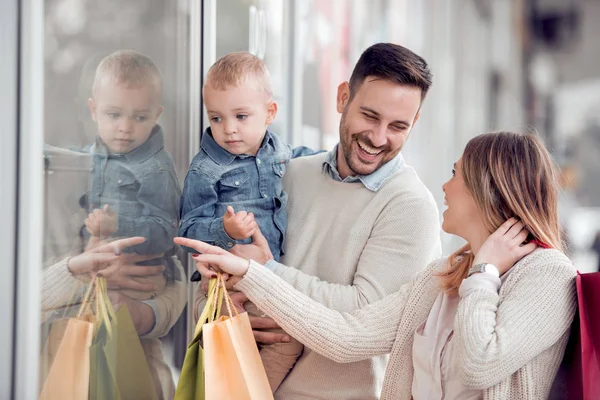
[346, 141]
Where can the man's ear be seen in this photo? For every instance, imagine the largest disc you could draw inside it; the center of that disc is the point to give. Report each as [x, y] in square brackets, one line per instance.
[159, 112]
[416, 118]
[343, 96]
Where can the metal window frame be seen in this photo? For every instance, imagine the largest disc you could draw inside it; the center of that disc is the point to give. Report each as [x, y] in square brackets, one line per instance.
[9, 76]
[29, 233]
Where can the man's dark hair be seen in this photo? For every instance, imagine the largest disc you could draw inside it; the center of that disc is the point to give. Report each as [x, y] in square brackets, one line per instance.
[394, 63]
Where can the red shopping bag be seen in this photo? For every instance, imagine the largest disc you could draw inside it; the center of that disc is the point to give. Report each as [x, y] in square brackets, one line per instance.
[588, 297]
[579, 374]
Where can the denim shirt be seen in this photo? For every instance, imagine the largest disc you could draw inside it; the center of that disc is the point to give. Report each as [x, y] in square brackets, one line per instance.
[373, 181]
[217, 179]
[142, 188]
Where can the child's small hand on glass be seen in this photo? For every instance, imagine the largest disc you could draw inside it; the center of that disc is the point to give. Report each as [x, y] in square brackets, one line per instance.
[240, 225]
[101, 222]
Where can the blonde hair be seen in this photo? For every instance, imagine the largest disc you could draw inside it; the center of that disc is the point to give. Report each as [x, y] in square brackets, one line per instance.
[234, 69]
[509, 175]
[130, 68]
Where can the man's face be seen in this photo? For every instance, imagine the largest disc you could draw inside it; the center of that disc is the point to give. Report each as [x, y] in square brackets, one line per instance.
[125, 115]
[375, 125]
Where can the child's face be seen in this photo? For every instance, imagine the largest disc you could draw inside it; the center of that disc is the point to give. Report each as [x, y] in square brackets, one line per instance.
[125, 115]
[239, 116]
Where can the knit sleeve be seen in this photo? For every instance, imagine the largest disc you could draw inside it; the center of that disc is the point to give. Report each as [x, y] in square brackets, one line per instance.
[403, 241]
[341, 337]
[59, 286]
[496, 338]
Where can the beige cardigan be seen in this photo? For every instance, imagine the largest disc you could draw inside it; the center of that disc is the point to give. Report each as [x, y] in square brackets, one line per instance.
[511, 343]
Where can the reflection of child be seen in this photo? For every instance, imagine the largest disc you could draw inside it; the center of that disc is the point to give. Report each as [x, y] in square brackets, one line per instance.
[235, 182]
[134, 190]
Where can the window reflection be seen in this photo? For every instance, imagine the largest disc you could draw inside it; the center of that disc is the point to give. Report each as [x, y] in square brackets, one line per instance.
[115, 149]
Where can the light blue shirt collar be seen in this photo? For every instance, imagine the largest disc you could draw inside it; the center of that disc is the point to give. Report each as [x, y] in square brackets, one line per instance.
[373, 181]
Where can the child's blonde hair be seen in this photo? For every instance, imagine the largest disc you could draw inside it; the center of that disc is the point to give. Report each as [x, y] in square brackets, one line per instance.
[233, 69]
[130, 68]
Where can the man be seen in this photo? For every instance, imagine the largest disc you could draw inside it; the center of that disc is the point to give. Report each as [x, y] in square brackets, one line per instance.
[360, 222]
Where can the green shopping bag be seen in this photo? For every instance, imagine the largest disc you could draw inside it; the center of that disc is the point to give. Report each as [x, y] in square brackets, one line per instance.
[118, 366]
[191, 380]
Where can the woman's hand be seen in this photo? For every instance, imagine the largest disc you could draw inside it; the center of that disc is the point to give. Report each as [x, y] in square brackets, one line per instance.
[100, 257]
[220, 260]
[122, 272]
[505, 247]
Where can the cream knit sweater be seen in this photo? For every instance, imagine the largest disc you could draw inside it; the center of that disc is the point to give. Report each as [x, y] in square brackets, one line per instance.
[347, 247]
[511, 343]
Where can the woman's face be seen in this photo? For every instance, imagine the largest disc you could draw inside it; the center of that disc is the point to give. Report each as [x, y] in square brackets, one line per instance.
[462, 213]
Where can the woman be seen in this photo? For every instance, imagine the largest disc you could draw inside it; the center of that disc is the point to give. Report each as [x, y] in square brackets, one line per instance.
[152, 319]
[462, 329]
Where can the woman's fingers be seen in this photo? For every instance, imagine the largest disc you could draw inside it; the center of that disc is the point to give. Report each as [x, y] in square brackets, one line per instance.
[521, 237]
[117, 246]
[102, 260]
[515, 229]
[526, 249]
[215, 261]
[504, 228]
[205, 272]
[199, 246]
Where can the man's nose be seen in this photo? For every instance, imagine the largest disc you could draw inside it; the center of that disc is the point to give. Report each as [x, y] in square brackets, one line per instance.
[379, 136]
[125, 125]
[230, 127]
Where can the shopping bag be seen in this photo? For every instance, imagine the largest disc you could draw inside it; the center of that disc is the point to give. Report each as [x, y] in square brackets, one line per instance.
[118, 366]
[69, 374]
[232, 365]
[579, 374]
[191, 379]
[588, 298]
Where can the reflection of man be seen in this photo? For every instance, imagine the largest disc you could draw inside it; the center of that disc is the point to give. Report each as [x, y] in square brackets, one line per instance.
[360, 222]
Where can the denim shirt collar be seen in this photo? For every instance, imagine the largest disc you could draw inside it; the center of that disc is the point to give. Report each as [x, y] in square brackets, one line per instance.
[222, 156]
[153, 145]
[373, 181]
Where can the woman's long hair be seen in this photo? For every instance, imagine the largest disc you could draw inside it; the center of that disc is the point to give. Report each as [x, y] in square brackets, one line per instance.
[509, 175]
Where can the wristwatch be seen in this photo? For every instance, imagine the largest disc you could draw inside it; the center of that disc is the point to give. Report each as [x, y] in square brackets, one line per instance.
[484, 267]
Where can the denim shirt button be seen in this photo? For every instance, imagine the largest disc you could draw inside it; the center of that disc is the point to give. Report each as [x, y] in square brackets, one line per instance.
[237, 183]
[258, 161]
[120, 181]
[265, 196]
[230, 244]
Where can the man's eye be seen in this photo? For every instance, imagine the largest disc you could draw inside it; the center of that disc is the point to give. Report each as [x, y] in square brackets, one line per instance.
[369, 116]
[215, 119]
[113, 115]
[141, 118]
[242, 117]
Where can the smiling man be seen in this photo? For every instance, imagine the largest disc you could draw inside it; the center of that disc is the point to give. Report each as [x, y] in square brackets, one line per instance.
[360, 222]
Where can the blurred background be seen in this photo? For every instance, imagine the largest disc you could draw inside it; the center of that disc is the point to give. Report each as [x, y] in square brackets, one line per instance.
[497, 65]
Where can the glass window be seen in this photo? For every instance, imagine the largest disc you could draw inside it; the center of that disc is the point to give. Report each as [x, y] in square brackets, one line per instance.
[116, 151]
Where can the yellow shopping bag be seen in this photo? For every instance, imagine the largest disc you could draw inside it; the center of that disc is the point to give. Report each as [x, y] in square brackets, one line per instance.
[233, 369]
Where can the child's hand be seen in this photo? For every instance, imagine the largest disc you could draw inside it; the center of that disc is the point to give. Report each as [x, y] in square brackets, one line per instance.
[240, 225]
[101, 223]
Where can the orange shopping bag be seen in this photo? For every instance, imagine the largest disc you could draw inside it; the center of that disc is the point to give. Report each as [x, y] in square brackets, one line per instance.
[69, 374]
[233, 369]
